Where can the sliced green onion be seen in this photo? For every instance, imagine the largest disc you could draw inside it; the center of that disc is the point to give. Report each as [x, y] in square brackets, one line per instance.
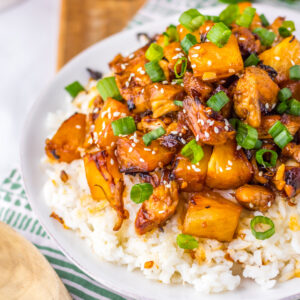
[212, 18]
[266, 37]
[186, 241]
[284, 94]
[178, 103]
[219, 34]
[177, 81]
[280, 134]
[246, 18]
[153, 135]
[183, 62]
[234, 122]
[217, 101]
[252, 60]
[231, 1]
[188, 41]
[74, 88]
[154, 52]
[293, 107]
[107, 88]
[166, 39]
[264, 20]
[258, 144]
[229, 14]
[295, 72]
[192, 151]
[282, 107]
[123, 126]
[247, 136]
[154, 71]
[286, 28]
[172, 33]
[141, 192]
[259, 155]
[262, 235]
[191, 19]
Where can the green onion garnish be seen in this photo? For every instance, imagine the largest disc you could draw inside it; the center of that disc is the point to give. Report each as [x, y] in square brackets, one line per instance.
[178, 103]
[177, 81]
[107, 88]
[186, 241]
[259, 155]
[258, 144]
[247, 136]
[74, 88]
[193, 151]
[246, 18]
[282, 107]
[123, 126]
[286, 28]
[264, 20]
[154, 52]
[229, 14]
[284, 94]
[280, 134]
[293, 107]
[252, 60]
[219, 34]
[295, 72]
[215, 19]
[154, 71]
[262, 235]
[217, 101]
[191, 19]
[266, 37]
[234, 122]
[183, 62]
[171, 35]
[153, 135]
[141, 192]
[188, 41]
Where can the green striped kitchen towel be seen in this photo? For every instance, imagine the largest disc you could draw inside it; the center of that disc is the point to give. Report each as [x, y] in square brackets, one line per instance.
[15, 209]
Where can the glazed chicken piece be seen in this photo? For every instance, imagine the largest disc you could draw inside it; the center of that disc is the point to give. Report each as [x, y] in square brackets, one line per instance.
[155, 211]
[282, 57]
[255, 93]
[275, 26]
[292, 180]
[209, 215]
[191, 177]
[207, 125]
[106, 182]
[64, 145]
[210, 63]
[149, 123]
[182, 31]
[228, 168]
[103, 134]
[294, 86]
[255, 197]
[292, 150]
[172, 53]
[194, 87]
[162, 96]
[256, 22]
[134, 156]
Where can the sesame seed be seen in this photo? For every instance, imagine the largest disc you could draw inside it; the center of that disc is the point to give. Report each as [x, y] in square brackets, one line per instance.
[147, 149]
[226, 128]
[112, 161]
[209, 62]
[116, 113]
[207, 28]
[188, 167]
[138, 79]
[123, 67]
[242, 38]
[231, 70]
[105, 134]
[162, 90]
[142, 72]
[112, 144]
[165, 82]
[228, 168]
[180, 134]
[267, 105]
[216, 129]
[142, 91]
[78, 127]
[156, 86]
[127, 84]
[260, 173]
[277, 57]
[177, 49]
[269, 204]
[181, 29]
[183, 141]
[133, 145]
[141, 160]
[174, 132]
[130, 149]
[197, 138]
[109, 115]
[221, 170]
[193, 66]
[131, 56]
[230, 163]
[153, 152]
[251, 205]
[103, 125]
[184, 110]
[197, 47]
[195, 55]
[123, 115]
[238, 147]
[206, 134]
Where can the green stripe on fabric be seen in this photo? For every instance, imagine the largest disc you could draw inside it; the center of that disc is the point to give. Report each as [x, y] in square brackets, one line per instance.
[13, 172]
[1, 211]
[22, 221]
[63, 263]
[33, 226]
[49, 249]
[78, 293]
[5, 214]
[38, 232]
[44, 234]
[27, 224]
[10, 217]
[16, 220]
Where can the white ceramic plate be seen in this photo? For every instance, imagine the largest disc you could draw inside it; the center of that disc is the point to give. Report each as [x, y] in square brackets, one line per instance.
[117, 278]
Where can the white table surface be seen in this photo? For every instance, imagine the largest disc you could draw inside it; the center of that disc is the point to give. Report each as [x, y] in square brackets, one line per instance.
[28, 46]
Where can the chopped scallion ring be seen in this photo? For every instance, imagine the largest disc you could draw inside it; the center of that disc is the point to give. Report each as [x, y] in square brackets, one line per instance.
[154, 71]
[178, 103]
[246, 18]
[74, 88]
[218, 101]
[212, 18]
[188, 41]
[284, 94]
[186, 241]
[141, 192]
[259, 155]
[219, 34]
[266, 37]
[282, 107]
[123, 126]
[182, 61]
[153, 135]
[193, 151]
[264, 20]
[280, 134]
[154, 52]
[107, 88]
[286, 28]
[293, 107]
[262, 235]
[247, 136]
[252, 60]
[258, 144]
[229, 14]
[177, 81]
[191, 19]
[172, 33]
[295, 72]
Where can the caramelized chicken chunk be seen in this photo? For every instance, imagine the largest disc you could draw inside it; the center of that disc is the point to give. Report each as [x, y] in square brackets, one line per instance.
[64, 145]
[228, 168]
[275, 26]
[155, 211]
[256, 22]
[134, 156]
[148, 123]
[209, 215]
[255, 197]
[292, 150]
[182, 31]
[207, 126]
[172, 53]
[106, 182]
[294, 86]
[292, 180]
[255, 93]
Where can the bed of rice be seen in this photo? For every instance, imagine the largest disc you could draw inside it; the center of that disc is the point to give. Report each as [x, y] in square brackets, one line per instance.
[218, 266]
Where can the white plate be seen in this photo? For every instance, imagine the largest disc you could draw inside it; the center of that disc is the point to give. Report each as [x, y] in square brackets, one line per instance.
[117, 278]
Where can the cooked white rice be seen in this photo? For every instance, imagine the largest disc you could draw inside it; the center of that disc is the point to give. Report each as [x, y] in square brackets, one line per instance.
[218, 266]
